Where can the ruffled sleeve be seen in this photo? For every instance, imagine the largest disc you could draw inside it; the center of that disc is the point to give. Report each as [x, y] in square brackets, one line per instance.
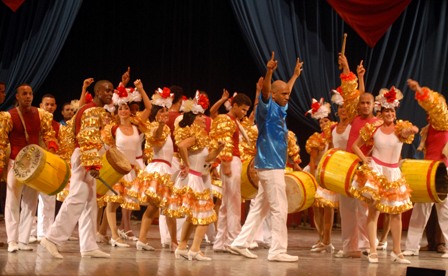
[366, 132]
[350, 94]
[293, 148]
[248, 149]
[201, 137]
[152, 140]
[67, 140]
[223, 128]
[399, 127]
[108, 134]
[435, 106]
[47, 132]
[316, 141]
[5, 128]
[89, 136]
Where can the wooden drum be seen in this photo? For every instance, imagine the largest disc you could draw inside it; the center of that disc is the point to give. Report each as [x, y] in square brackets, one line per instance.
[427, 179]
[249, 180]
[336, 169]
[114, 166]
[300, 190]
[41, 170]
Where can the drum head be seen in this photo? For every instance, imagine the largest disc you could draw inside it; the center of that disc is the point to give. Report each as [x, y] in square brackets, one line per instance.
[29, 162]
[441, 181]
[118, 161]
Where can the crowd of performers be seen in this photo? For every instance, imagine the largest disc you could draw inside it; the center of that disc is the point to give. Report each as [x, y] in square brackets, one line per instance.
[186, 168]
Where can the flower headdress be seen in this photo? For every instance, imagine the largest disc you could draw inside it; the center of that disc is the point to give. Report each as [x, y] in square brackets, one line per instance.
[197, 105]
[228, 103]
[388, 98]
[337, 96]
[319, 109]
[163, 97]
[123, 95]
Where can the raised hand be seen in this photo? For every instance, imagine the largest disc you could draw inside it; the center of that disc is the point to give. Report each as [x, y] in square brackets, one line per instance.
[360, 70]
[87, 83]
[298, 69]
[272, 63]
[126, 77]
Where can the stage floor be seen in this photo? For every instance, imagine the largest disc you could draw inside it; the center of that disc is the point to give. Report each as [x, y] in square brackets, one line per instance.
[129, 261]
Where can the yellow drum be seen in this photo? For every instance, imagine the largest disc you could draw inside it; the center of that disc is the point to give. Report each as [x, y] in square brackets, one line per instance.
[249, 180]
[300, 190]
[114, 166]
[427, 179]
[336, 170]
[41, 170]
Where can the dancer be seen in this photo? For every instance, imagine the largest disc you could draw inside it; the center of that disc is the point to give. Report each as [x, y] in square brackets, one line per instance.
[434, 146]
[270, 162]
[196, 151]
[379, 181]
[81, 206]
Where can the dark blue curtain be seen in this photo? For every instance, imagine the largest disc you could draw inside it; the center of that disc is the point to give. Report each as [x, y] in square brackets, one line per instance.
[415, 46]
[31, 39]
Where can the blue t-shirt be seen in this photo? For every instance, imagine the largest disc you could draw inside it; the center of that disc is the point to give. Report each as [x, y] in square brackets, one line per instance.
[272, 139]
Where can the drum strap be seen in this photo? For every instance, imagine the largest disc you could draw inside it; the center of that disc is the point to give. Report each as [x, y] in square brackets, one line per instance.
[23, 123]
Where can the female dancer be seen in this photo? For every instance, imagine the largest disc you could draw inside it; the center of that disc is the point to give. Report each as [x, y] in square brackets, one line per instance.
[195, 201]
[125, 135]
[379, 181]
[325, 201]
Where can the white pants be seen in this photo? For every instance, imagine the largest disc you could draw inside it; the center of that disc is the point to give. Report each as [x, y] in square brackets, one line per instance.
[271, 198]
[45, 213]
[15, 218]
[419, 218]
[263, 234]
[229, 218]
[353, 224]
[80, 207]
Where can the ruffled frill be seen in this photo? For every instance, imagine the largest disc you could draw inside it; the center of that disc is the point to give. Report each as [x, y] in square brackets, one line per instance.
[47, 131]
[157, 142]
[293, 148]
[435, 106]
[399, 127]
[67, 140]
[223, 128]
[392, 197]
[201, 136]
[155, 188]
[316, 141]
[248, 150]
[326, 198]
[198, 206]
[350, 94]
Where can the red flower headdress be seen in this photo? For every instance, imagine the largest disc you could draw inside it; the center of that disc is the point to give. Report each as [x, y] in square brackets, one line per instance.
[319, 109]
[163, 97]
[337, 96]
[388, 98]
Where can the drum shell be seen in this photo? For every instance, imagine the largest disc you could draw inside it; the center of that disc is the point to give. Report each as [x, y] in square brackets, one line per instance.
[41, 170]
[110, 171]
[426, 178]
[249, 180]
[300, 190]
[336, 170]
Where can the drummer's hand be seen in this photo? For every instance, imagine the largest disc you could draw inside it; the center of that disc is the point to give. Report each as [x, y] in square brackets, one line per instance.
[296, 167]
[184, 170]
[225, 168]
[368, 159]
[52, 150]
[94, 173]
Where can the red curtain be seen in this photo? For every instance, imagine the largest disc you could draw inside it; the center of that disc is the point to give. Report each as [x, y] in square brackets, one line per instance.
[370, 19]
[13, 4]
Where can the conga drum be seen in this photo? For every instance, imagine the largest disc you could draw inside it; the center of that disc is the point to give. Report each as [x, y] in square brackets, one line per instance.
[427, 179]
[336, 170]
[41, 170]
[249, 180]
[300, 190]
[114, 166]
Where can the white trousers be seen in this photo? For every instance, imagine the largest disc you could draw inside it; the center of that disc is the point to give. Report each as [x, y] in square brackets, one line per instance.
[419, 218]
[19, 196]
[263, 234]
[353, 224]
[229, 218]
[271, 198]
[45, 213]
[80, 207]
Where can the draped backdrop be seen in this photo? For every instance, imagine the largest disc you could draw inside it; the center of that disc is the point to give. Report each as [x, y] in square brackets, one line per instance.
[413, 46]
[32, 39]
[396, 40]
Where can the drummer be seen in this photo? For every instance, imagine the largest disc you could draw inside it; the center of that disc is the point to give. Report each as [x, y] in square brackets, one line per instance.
[226, 127]
[435, 148]
[359, 108]
[325, 200]
[22, 126]
[81, 206]
[47, 203]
